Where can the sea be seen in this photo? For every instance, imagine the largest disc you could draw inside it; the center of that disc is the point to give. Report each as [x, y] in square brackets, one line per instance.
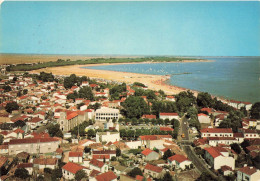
[236, 78]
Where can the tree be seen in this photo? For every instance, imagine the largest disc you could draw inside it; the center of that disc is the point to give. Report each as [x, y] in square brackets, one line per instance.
[80, 175]
[1, 139]
[236, 148]
[184, 100]
[87, 149]
[47, 170]
[135, 107]
[167, 177]
[135, 171]
[167, 154]
[11, 106]
[86, 92]
[25, 91]
[91, 132]
[205, 176]
[7, 88]
[56, 173]
[255, 111]
[245, 144]
[118, 152]
[21, 173]
[204, 100]
[70, 81]
[113, 158]
[54, 130]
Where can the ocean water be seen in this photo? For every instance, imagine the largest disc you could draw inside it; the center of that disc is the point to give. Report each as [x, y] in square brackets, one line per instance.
[231, 78]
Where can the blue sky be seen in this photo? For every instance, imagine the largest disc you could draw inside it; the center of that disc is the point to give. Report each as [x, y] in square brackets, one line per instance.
[132, 28]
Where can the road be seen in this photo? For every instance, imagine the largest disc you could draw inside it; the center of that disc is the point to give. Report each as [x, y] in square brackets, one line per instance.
[184, 128]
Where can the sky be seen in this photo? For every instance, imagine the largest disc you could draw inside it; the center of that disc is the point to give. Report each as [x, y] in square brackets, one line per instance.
[131, 28]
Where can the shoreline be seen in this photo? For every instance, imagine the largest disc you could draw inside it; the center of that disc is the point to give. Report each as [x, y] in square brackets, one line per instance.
[153, 82]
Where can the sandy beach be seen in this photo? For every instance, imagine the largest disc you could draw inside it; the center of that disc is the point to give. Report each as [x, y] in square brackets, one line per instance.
[154, 82]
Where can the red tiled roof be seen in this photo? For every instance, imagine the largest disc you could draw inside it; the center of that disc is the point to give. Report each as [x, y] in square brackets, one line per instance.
[72, 115]
[36, 120]
[209, 110]
[215, 151]
[101, 156]
[166, 129]
[178, 158]
[225, 168]
[168, 114]
[32, 140]
[248, 170]
[45, 161]
[2, 147]
[72, 167]
[19, 131]
[104, 152]
[147, 151]
[25, 165]
[250, 131]
[75, 154]
[216, 130]
[3, 160]
[97, 163]
[222, 138]
[94, 172]
[201, 114]
[107, 176]
[147, 116]
[153, 168]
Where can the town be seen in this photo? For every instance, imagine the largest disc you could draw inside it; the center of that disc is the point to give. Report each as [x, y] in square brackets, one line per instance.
[77, 128]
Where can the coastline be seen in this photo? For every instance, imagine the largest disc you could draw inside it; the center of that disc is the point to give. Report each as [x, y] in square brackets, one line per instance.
[153, 82]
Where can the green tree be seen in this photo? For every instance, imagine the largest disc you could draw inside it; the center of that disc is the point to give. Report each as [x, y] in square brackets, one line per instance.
[118, 152]
[7, 88]
[91, 133]
[1, 139]
[86, 92]
[204, 100]
[70, 81]
[56, 174]
[167, 154]
[55, 131]
[167, 177]
[11, 106]
[47, 170]
[135, 171]
[80, 175]
[205, 176]
[184, 100]
[255, 111]
[135, 107]
[236, 148]
[25, 91]
[21, 173]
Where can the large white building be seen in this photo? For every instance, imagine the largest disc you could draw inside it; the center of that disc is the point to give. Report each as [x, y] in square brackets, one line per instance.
[218, 157]
[169, 116]
[216, 132]
[107, 137]
[105, 113]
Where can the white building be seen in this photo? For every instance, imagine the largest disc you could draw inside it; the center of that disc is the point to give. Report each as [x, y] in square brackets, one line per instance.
[107, 137]
[248, 173]
[218, 157]
[169, 116]
[203, 118]
[216, 132]
[70, 169]
[105, 113]
[76, 157]
[179, 161]
[133, 144]
[214, 141]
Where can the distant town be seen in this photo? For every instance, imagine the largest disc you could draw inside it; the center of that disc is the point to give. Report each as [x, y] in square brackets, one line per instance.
[55, 127]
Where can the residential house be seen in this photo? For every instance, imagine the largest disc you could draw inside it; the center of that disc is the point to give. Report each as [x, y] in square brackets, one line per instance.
[154, 171]
[248, 173]
[203, 118]
[70, 169]
[33, 145]
[27, 166]
[107, 137]
[179, 161]
[216, 132]
[218, 156]
[98, 165]
[42, 163]
[108, 176]
[169, 116]
[76, 157]
[111, 153]
[149, 116]
[150, 154]
[170, 98]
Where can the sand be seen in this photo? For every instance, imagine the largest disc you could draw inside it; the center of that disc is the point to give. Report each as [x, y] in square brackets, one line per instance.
[154, 82]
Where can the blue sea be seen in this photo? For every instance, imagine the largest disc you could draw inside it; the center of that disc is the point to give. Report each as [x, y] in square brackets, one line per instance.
[231, 78]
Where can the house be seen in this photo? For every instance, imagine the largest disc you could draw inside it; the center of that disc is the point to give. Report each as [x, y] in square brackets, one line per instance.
[170, 98]
[98, 165]
[27, 166]
[34, 122]
[76, 157]
[33, 145]
[169, 116]
[111, 153]
[214, 141]
[134, 144]
[166, 129]
[107, 137]
[150, 154]
[154, 171]
[154, 141]
[250, 133]
[70, 169]
[218, 156]
[248, 173]
[108, 176]
[68, 120]
[105, 113]
[149, 116]
[226, 170]
[203, 118]
[42, 163]
[179, 161]
[3, 149]
[216, 132]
